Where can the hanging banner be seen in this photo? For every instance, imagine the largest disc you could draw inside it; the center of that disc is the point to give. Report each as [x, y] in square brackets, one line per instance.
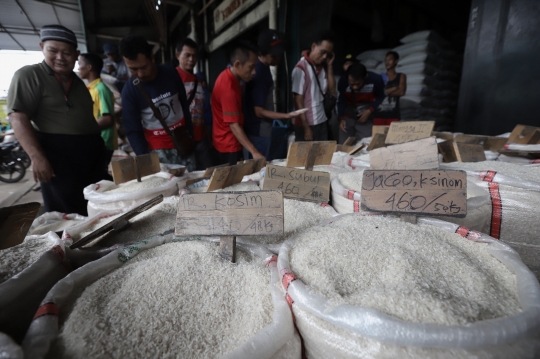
[229, 10]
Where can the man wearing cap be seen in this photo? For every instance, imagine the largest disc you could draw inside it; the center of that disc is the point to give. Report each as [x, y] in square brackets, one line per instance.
[258, 106]
[50, 109]
[115, 66]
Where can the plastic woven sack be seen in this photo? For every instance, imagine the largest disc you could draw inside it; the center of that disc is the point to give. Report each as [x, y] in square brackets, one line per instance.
[378, 54]
[54, 222]
[425, 35]
[100, 199]
[9, 349]
[348, 331]
[278, 340]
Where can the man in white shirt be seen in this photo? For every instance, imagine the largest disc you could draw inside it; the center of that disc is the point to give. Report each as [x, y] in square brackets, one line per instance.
[315, 64]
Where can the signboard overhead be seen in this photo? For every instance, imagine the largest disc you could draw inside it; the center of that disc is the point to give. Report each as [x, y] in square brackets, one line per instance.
[228, 10]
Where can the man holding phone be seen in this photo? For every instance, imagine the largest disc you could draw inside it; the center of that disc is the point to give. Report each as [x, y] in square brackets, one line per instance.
[312, 79]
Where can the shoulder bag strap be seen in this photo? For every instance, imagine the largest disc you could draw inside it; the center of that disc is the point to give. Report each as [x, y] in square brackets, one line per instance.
[156, 112]
[192, 96]
[316, 77]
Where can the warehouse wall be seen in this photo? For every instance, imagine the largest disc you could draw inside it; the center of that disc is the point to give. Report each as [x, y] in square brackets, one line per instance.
[500, 84]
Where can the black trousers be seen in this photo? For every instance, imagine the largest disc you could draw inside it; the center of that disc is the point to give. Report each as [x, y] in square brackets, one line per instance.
[230, 158]
[77, 161]
[320, 132]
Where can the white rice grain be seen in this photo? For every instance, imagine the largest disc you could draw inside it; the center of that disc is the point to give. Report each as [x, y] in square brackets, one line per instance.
[178, 300]
[15, 259]
[417, 273]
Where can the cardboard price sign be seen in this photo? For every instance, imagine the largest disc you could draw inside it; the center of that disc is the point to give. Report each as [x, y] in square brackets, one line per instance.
[298, 184]
[301, 153]
[258, 213]
[401, 132]
[418, 155]
[415, 192]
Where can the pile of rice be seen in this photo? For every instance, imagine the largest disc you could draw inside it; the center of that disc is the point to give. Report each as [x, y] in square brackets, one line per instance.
[178, 300]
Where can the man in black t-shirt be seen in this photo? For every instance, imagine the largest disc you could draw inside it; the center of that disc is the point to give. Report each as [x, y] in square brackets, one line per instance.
[258, 105]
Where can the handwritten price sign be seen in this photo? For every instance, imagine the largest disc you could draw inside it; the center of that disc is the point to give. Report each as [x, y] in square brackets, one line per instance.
[430, 192]
[298, 184]
[230, 214]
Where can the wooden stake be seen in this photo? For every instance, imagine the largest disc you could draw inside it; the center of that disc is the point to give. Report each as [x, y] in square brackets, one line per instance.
[349, 141]
[227, 248]
[312, 155]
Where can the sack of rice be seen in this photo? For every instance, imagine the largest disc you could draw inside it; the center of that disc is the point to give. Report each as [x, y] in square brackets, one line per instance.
[54, 222]
[107, 196]
[166, 298]
[9, 349]
[376, 287]
[347, 189]
[27, 272]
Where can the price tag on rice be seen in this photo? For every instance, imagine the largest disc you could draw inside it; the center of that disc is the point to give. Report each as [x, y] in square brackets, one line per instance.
[298, 184]
[415, 192]
[258, 213]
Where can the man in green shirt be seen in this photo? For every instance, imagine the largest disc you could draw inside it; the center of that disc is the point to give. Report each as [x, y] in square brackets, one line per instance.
[50, 110]
[90, 66]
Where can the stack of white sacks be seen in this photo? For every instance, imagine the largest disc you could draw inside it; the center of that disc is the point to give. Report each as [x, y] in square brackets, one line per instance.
[433, 72]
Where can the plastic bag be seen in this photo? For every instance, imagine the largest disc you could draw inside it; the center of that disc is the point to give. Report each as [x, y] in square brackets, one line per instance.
[99, 199]
[274, 341]
[347, 331]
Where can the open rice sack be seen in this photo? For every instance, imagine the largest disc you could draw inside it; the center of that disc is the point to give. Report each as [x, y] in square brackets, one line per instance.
[167, 298]
[297, 215]
[27, 272]
[107, 196]
[346, 198]
[365, 286]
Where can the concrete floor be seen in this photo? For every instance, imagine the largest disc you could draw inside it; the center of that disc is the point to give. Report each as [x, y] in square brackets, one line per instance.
[21, 192]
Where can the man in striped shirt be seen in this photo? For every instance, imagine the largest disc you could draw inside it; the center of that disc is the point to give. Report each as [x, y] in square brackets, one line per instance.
[315, 64]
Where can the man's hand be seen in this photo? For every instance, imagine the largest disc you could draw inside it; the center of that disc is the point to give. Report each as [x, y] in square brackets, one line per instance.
[330, 59]
[42, 169]
[308, 134]
[343, 125]
[364, 116]
[257, 155]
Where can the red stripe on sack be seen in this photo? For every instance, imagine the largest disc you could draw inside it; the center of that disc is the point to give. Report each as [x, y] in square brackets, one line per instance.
[356, 206]
[98, 186]
[46, 309]
[350, 194]
[462, 231]
[535, 161]
[324, 204]
[287, 278]
[65, 216]
[350, 163]
[58, 250]
[496, 210]
[272, 262]
[506, 146]
[487, 176]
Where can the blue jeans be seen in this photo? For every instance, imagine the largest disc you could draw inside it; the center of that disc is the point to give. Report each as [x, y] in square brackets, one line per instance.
[262, 144]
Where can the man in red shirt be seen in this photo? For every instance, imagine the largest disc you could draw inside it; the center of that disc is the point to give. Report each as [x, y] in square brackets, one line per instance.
[228, 132]
[187, 54]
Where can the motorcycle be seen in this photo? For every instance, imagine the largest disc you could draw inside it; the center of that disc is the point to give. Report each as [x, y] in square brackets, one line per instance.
[11, 168]
[18, 151]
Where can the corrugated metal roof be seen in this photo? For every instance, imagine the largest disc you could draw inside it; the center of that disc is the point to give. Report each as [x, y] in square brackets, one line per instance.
[20, 21]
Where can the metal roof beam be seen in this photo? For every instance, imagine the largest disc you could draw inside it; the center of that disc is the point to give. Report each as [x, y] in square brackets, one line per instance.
[3, 29]
[28, 17]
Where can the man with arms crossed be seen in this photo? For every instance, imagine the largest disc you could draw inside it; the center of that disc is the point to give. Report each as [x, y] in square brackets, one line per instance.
[187, 54]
